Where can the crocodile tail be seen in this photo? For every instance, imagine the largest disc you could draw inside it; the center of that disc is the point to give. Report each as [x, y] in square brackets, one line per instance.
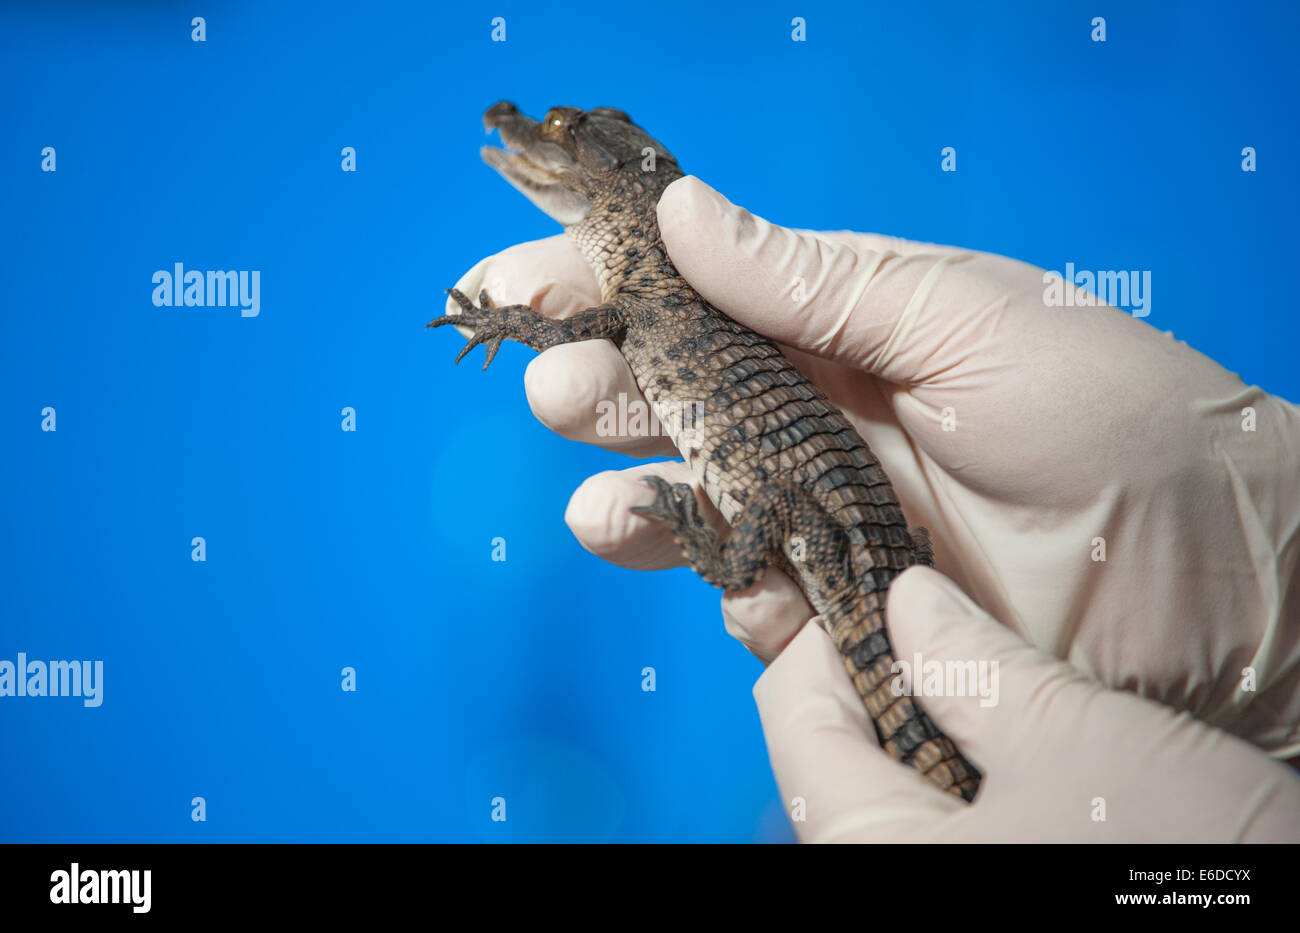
[922, 545]
[903, 728]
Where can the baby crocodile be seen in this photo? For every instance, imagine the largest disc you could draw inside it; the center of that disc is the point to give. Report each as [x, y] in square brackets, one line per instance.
[797, 484]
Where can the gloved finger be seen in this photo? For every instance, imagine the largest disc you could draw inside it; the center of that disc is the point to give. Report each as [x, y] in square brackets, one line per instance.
[879, 311]
[837, 783]
[551, 276]
[600, 517]
[765, 617]
[586, 392]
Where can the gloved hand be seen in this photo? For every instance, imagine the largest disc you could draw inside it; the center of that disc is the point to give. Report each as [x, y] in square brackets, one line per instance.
[1069, 425]
[1064, 758]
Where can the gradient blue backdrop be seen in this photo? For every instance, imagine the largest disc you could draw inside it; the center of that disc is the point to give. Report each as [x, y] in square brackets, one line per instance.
[372, 550]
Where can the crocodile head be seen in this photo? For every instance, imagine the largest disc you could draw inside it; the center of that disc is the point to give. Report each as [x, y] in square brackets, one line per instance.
[572, 160]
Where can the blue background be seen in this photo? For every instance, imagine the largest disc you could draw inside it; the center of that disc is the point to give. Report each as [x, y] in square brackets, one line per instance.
[372, 549]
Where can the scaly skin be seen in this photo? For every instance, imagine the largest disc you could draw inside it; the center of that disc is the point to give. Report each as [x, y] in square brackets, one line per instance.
[789, 473]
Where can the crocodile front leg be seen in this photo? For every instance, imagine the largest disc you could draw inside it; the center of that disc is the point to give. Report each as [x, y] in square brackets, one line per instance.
[524, 325]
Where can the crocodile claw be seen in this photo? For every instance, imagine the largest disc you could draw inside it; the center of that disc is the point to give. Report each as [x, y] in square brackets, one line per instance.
[489, 327]
[674, 504]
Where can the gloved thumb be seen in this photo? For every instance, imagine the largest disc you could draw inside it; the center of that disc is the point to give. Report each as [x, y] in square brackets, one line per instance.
[866, 301]
[1064, 757]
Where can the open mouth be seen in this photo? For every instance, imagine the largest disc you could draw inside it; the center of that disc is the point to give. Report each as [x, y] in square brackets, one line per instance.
[517, 166]
[537, 167]
[523, 156]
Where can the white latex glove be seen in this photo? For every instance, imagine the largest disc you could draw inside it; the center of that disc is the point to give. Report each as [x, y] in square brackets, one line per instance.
[1071, 424]
[1058, 750]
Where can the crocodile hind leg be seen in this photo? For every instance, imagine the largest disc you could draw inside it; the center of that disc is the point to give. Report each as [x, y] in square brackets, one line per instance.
[765, 533]
[522, 324]
[783, 526]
